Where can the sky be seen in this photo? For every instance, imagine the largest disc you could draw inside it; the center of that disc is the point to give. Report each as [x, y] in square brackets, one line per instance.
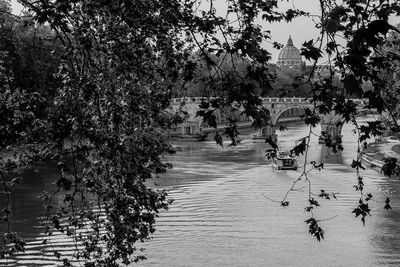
[301, 29]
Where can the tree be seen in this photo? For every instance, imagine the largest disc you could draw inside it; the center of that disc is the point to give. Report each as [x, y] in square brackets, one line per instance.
[291, 82]
[36, 58]
[120, 61]
[226, 72]
[391, 72]
[30, 56]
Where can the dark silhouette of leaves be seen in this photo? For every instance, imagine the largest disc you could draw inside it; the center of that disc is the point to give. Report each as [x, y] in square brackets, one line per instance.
[299, 149]
[323, 194]
[314, 229]
[272, 142]
[284, 203]
[105, 75]
[218, 139]
[313, 202]
[310, 117]
[390, 167]
[362, 210]
[357, 165]
[387, 204]
[309, 208]
[309, 51]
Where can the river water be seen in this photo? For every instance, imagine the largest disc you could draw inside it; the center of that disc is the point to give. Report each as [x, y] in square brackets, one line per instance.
[221, 217]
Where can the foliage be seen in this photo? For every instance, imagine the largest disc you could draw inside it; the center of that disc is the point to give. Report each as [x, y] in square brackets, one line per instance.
[118, 63]
[208, 81]
[290, 82]
[109, 110]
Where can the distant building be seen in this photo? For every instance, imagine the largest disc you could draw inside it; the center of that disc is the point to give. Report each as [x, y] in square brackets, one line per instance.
[290, 57]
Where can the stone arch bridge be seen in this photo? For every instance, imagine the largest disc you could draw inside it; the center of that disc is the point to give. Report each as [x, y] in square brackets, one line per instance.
[279, 108]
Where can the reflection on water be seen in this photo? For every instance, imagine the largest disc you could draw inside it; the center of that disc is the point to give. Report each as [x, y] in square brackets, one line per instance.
[330, 157]
[220, 217]
[26, 204]
[385, 239]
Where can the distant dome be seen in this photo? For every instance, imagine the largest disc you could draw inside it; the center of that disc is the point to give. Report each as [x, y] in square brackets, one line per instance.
[290, 55]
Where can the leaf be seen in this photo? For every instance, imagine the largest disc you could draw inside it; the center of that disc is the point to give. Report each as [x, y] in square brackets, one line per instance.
[218, 139]
[358, 212]
[277, 45]
[309, 208]
[310, 117]
[285, 203]
[273, 143]
[352, 85]
[379, 26]
[348, 109]
[308, 221]
[357, 165]
[313, 202]
[387, 204]
[323, 194]
[309, 51]
[317, 166]
[314, 229]
[204, 104]
[375, 100]
[57, 254]
[282, 127]
[390, 167]
[299, 149]
[364, 207]
[332, 25]
[210, 118]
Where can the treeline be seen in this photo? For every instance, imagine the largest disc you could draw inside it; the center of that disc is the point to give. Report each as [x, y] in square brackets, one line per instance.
[30, 54]
[29, 62]
[231, 70]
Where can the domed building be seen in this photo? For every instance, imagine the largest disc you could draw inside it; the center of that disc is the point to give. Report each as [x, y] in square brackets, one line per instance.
[289, 56]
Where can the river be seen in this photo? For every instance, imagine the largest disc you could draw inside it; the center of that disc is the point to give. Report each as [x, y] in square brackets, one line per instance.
[220, 216]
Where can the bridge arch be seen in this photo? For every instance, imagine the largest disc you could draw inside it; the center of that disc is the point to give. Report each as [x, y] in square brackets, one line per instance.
[331, 124]
[296, 111]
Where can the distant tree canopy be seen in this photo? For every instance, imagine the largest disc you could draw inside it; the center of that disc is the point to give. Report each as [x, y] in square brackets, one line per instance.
[31, 52]
[30, 57]
[215, 76]
[275, 81]
[291, 82]
[107, 70]
[390, 51]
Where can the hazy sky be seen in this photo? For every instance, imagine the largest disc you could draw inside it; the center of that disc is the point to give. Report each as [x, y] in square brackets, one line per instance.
[301, 29]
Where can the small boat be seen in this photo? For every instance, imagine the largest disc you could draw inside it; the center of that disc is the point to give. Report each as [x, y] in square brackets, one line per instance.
[284, 161]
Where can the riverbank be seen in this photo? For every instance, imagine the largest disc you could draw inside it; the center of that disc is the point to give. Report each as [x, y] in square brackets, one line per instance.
[386, 147]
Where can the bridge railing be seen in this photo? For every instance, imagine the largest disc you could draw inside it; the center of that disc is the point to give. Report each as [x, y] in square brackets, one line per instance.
[266, 100]
[285, 100]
